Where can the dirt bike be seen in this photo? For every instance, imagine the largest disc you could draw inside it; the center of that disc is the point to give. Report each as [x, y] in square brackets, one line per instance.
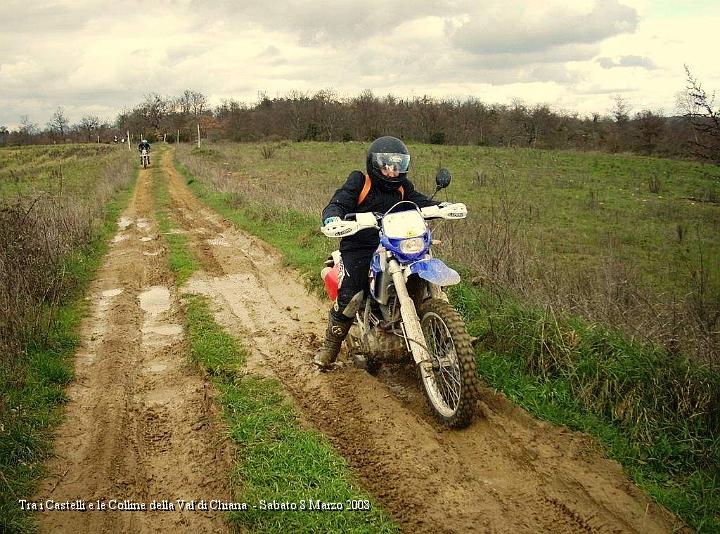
[407, 316]
[144, 158]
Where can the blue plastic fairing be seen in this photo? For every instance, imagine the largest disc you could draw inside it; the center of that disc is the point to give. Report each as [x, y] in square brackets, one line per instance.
[435, 271]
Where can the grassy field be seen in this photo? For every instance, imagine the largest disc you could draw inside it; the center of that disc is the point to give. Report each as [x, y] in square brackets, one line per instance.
[52, 240]
[651, 408]
[56, 168]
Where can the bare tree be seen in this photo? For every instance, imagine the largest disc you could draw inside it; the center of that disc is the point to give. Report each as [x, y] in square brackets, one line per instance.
[27, 130]
[198, 102]
[89, 125]
[184, 102]
[699, 108]
[59, 123]
[154, 109]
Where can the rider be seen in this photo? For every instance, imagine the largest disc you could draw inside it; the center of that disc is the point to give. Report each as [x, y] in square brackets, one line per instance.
[144, 145]
[387, 164]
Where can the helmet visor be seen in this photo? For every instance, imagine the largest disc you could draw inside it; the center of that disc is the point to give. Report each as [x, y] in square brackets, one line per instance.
[391, 164]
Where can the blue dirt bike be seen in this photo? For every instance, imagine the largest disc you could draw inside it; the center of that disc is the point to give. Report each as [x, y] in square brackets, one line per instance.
[407, 316]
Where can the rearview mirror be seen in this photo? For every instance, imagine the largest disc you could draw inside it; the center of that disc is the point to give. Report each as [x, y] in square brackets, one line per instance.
[442, 178]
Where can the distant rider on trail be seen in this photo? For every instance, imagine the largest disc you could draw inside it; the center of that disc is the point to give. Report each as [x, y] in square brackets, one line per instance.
[144, 145]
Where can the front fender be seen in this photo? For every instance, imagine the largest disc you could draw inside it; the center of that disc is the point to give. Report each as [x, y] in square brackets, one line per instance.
[435, 271]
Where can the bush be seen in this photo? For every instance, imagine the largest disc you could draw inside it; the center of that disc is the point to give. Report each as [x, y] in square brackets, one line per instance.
[437, 138]
[268, 151]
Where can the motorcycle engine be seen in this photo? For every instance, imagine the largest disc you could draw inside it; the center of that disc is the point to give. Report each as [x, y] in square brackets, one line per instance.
[379, 343]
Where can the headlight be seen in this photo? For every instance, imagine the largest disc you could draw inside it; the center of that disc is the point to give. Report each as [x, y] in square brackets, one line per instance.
[412, 246]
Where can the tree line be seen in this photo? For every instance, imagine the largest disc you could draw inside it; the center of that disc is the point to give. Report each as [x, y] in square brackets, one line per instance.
[324, 116]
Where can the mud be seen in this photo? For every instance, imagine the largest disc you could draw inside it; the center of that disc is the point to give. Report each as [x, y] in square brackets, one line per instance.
[140, 423]
[506, 473]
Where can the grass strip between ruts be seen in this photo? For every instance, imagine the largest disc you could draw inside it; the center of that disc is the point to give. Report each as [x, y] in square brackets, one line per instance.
[278, 462]
[26, 437]
[182, 262]
[678, 472]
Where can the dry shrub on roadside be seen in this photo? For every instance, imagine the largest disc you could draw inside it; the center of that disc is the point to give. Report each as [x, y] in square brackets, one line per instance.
[502, 259]
[38, 232]
[268, 151]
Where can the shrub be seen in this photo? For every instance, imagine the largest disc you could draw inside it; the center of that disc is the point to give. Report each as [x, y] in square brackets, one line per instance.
[437, 138]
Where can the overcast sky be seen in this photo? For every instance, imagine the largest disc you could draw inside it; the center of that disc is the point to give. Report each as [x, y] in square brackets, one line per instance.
[97, 57]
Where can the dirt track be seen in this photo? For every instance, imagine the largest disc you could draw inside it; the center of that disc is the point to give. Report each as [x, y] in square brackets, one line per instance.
[123, 436]
[139, 423]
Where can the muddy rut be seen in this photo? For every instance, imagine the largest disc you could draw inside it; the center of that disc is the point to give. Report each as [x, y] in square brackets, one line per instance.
[140, 422]
[506, 473]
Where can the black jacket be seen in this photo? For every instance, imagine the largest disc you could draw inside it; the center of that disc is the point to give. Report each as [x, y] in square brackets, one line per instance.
[379, 199]
[143, 145]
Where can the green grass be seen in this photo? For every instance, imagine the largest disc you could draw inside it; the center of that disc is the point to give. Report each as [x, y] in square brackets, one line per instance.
[36, 391]
[52, 169]
[277, 459]
[182, 262]
[657, 413]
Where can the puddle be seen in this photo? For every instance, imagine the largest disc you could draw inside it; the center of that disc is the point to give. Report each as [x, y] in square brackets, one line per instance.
[157, 335]
[155, 300]
[160, 397]
[151, 253]
[146, 239]
[157, 367]
[219, 241]
[120, 237]
[165, 329]
[105, 298]
[124, 222]
[156, 331]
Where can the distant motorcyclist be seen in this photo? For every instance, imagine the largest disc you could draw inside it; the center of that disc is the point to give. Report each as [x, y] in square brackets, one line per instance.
[384, 185]
[144, 145]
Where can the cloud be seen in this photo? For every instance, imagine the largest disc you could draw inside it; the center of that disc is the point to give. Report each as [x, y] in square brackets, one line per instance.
[520, 27]
[627, 61]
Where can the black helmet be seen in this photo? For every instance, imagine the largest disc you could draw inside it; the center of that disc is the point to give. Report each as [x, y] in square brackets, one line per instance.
[388, 161]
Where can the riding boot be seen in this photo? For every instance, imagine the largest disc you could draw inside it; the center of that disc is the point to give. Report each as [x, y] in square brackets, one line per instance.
[334, 335]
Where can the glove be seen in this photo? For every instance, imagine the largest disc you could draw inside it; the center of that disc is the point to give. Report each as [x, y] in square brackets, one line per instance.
[330, 220]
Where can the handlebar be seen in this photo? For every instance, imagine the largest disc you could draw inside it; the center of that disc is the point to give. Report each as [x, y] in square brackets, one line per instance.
[363, 221]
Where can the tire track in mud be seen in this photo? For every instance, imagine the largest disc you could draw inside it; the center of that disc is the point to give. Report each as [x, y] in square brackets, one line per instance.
[140, 423]
[506, 473]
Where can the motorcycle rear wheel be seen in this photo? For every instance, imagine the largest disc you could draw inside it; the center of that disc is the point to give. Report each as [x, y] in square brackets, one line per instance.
[451, 389]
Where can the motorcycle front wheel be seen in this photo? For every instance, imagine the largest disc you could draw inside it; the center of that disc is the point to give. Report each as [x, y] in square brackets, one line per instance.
[451, 387]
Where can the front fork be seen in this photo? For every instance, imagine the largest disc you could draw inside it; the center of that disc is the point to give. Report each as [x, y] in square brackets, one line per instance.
[411, 323]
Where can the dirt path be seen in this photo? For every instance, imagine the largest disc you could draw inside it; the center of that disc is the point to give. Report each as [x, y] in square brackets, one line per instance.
[139, 424]
[506, 473]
